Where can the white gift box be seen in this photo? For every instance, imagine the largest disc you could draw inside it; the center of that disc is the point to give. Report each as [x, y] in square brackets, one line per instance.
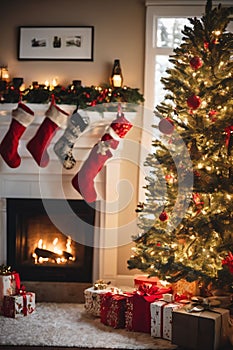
[156, 310]
[167, 319]
[161, 318]
[93, 297]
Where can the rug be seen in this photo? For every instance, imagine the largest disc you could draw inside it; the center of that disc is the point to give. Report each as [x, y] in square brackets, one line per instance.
[69, 325]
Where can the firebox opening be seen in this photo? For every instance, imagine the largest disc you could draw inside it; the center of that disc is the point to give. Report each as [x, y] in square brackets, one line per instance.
[40, 250]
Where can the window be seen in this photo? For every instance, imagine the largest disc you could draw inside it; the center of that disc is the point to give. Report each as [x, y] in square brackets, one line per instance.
[164, 22]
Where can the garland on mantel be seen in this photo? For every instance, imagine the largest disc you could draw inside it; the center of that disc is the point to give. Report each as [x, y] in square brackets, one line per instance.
[80, 96]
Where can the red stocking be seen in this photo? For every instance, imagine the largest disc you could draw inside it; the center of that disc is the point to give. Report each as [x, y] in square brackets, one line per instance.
[22, 116]
[55, 117]
[83, 181]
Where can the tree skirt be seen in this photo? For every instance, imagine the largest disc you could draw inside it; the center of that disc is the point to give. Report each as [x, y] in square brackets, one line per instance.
[69, 325]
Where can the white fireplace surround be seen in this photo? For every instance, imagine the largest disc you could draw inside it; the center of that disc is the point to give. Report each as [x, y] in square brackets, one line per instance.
[54, 182]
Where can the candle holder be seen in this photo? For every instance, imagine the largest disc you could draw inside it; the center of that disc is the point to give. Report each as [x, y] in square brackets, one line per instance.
[4, 74]
[116, 78]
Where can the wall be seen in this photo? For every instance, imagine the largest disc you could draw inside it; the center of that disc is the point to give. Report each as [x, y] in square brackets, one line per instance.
[119, 33]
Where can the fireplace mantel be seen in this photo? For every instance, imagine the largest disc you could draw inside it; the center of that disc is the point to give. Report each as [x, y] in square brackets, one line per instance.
[31, 181]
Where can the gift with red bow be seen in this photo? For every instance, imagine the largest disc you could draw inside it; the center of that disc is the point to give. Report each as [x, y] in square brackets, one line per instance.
[138, 314]
[19, 305]
[93, 296]
[112, 310]
[9, 283]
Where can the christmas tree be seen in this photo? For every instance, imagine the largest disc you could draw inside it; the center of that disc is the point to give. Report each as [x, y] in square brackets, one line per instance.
[186, 221]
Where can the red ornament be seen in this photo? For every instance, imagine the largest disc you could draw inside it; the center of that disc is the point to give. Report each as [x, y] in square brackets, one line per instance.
[196, 173]
[169, 178]
[166, 126]
[212, 114]
[197, 199]
[163, 216]
[194, 101]
[196, 62]
[229, 262]
[206, 45]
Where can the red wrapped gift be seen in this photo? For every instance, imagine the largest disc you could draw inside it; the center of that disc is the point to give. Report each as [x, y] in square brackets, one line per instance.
[137, 314]
[145, 280]
[112, 310]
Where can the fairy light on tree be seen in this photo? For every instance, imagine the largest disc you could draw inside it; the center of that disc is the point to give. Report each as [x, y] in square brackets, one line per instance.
[198, 108]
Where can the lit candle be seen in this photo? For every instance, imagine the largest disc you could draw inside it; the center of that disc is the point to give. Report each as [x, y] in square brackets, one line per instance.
[5, 74]
[54, 82]
[117, 80]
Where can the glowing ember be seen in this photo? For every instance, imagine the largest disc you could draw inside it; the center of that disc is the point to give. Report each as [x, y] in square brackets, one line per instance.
[53, 253]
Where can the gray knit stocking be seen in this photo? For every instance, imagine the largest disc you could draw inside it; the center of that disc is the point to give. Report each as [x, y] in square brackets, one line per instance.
[64, 146]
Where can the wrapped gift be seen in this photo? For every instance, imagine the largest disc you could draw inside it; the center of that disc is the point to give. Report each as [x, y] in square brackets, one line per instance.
[156, 309]
[167, 319]
[19, 305]
[138, 314]
[200, 330]
[186, 288]
[9, 283]
[93, 296]
[145, 280]
[112, 311]
[161, 318]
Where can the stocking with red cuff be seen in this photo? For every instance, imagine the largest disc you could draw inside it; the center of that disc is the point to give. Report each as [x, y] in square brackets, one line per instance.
[22, 117]
[55, 118]
[83, 181]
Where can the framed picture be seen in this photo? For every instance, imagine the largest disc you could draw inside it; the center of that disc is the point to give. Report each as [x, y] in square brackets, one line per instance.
[56, 43]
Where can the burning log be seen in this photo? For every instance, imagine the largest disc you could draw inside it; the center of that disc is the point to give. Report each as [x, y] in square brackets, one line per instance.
[67, 255]
[48, 254]
[44, 253]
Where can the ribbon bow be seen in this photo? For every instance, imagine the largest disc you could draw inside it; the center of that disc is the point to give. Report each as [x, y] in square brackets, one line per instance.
[101, 284]
[152, 292]
[5, 270]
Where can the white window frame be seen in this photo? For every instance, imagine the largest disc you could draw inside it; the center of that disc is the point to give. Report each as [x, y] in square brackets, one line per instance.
[154, 9]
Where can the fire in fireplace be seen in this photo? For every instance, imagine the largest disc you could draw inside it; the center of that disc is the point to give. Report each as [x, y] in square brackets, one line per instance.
[40, 250]
[53, 253]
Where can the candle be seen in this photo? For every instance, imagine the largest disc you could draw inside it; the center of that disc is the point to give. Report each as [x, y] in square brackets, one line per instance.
[54, 82]
[117, 80]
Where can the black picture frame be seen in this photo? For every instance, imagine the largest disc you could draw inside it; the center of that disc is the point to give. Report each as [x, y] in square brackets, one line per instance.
[70, 43]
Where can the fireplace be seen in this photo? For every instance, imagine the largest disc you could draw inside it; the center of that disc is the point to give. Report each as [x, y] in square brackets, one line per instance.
[29, 182]
[47, 242]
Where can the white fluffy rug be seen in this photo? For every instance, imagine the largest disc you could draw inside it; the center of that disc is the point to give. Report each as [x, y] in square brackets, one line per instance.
[69, 325]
